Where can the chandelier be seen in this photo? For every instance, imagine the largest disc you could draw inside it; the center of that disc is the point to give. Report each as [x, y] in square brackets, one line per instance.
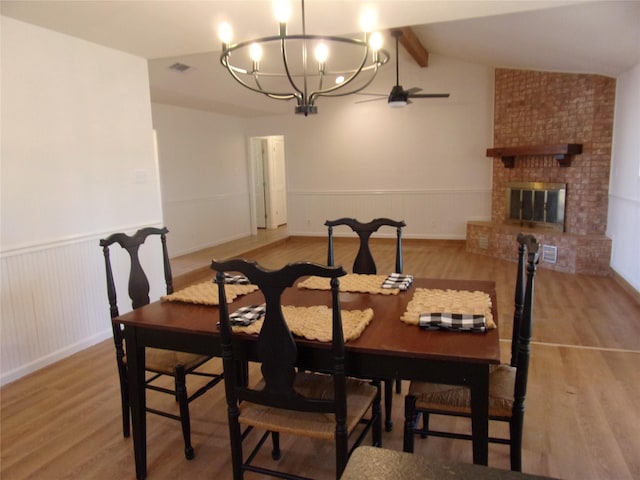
[280, 68]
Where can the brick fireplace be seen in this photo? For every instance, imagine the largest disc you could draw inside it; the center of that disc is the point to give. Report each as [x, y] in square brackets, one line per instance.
[537, 109]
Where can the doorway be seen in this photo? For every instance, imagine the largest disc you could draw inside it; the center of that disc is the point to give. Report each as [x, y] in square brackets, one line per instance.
[268, 182]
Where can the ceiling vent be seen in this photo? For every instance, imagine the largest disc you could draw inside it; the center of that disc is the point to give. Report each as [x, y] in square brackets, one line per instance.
[180, 67]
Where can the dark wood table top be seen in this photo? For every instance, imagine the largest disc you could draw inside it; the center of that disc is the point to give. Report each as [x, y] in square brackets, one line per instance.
[386, 334]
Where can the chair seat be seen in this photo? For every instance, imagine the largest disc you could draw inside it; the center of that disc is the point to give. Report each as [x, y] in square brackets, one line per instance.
[457, 399]
[360, 396]
[165, 361]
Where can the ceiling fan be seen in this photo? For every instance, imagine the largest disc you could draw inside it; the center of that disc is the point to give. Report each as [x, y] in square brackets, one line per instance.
[399, 97]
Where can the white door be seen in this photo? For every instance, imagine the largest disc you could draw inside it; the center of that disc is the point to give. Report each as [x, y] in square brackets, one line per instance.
[277, 182]
[267, 181]
[259, 151]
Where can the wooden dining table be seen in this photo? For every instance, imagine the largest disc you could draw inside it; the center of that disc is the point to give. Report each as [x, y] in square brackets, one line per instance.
[387, 348]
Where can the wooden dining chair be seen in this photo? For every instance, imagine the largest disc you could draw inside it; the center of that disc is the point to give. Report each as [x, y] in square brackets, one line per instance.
[507, 383]
[286, 400]
[365, 264]
[158, 362]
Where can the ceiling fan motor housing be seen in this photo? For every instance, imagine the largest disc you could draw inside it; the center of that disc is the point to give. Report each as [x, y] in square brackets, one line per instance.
[398, 96]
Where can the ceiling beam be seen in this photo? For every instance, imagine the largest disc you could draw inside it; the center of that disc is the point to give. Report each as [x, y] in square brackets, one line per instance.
[413, 46]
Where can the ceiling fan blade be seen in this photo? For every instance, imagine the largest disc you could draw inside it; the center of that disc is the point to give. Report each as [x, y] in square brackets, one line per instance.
[373, 94]
[413, 90]
[429, 95]
[372, 100]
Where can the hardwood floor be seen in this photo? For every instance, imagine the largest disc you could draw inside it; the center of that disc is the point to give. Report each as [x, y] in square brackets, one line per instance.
[582, 416]
[190, 267]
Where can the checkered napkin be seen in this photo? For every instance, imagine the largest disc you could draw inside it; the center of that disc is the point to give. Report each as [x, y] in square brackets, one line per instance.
[247, 315]
[457, 322]
[235, 279]
[398, 280]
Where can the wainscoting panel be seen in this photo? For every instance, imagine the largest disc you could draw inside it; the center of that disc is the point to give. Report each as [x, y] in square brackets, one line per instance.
[434, 213]
[54, 301]
[198, 223]
[623, 227]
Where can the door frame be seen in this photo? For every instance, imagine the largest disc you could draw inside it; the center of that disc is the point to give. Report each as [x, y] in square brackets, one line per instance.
[252, 144]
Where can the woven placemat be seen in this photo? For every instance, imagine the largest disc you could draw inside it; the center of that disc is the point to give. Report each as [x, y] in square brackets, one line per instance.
[206, 293]
[430, 300]
[315, 323]
[352, 282]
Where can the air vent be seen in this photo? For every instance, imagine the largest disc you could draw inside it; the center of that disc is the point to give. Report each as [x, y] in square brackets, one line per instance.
[483, 242]
[549, 253]
[179, 67]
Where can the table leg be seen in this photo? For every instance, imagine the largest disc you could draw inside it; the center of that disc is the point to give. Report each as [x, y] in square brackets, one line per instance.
[480, 415]
[388, 404]
[137, 400]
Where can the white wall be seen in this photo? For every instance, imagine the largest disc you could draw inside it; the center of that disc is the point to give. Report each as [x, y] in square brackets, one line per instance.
[424, 163]
[77, 164]
[203, 167]
[623, 225]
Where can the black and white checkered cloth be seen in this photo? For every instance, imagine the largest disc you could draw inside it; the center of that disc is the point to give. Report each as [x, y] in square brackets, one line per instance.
[247, 315]
[235, 279]
[458, 322]
[398, 280]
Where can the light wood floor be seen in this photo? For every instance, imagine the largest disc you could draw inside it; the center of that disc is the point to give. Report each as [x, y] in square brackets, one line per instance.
[582, 416]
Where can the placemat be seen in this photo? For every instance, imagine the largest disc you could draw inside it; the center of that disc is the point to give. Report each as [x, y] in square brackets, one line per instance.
[315, 323]
[352, 282]
[430, 300]
[206, 293]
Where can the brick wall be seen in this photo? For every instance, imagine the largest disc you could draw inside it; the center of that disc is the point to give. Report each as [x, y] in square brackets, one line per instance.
[541, 107]
[552, 108]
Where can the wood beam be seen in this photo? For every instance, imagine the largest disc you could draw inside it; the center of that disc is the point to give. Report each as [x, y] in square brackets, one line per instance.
[412, 45]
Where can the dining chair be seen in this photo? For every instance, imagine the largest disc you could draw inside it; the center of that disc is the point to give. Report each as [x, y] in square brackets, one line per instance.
[365, 264]
[288, 400]
[507, 382]
[158, 362]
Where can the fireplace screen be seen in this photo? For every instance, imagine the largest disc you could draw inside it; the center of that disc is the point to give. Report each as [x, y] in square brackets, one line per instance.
[536, 204]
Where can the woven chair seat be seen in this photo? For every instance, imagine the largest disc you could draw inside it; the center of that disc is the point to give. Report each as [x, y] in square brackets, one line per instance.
[457, 398]
[360, 395]
[165, 361]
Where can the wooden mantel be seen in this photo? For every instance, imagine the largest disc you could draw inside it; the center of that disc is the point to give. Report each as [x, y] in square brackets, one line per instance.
[562, 152]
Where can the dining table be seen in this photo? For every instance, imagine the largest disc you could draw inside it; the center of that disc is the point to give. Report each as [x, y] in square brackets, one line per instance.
[386, 348]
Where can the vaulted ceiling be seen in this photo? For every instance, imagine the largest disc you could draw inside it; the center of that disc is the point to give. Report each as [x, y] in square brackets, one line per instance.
[600, 37]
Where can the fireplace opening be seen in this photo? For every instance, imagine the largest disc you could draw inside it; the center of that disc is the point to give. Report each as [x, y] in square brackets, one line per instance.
[536, 204]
